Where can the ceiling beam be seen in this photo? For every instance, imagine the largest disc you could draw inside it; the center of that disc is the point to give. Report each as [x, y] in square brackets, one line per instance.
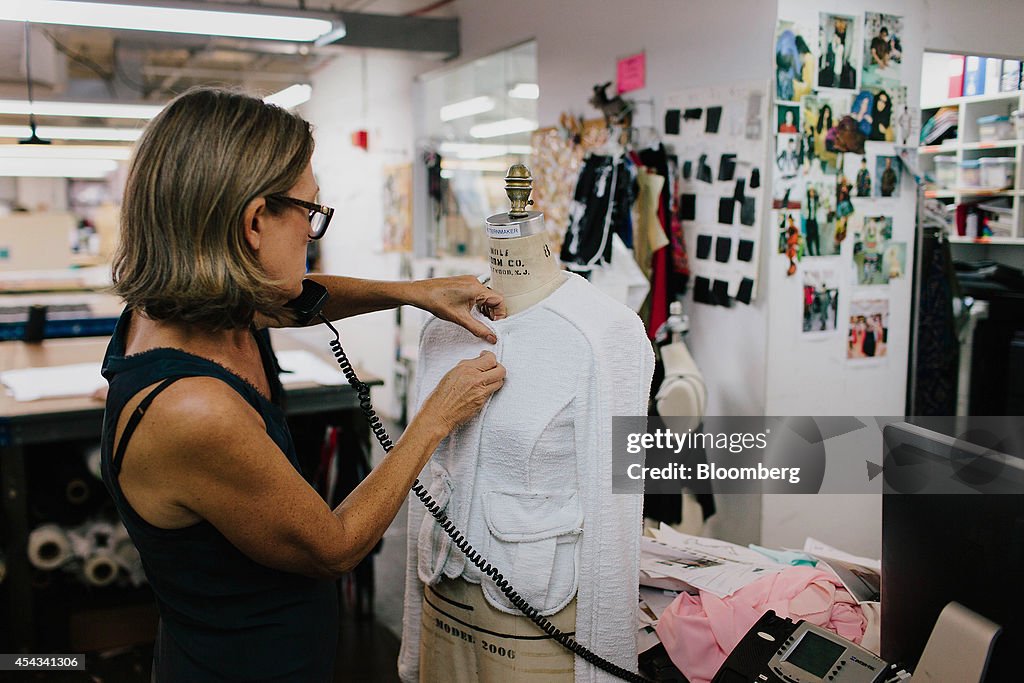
[397, 32]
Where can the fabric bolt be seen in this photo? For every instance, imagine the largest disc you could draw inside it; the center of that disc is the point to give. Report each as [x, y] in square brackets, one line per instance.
[699, 632]
[648, 237]
[223, 616]
[528, 479]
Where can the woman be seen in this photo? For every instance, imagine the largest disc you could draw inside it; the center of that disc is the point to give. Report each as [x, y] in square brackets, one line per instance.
[219, 205]
[881, 126]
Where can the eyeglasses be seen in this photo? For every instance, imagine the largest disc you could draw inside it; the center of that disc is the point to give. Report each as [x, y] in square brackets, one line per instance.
[319, 215]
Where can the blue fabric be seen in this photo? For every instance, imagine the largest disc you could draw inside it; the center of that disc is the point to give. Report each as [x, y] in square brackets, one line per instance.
[224, 617]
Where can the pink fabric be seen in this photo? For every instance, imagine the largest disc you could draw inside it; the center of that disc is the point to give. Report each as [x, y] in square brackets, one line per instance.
[699, 632]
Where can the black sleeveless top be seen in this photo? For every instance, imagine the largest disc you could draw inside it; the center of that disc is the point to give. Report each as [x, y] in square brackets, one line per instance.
[223, 616]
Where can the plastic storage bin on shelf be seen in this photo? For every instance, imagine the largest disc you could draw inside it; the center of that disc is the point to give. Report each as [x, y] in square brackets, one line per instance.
[970, 173]
[1017, 117]
[997, 172]
[995, 128]
[945, 171]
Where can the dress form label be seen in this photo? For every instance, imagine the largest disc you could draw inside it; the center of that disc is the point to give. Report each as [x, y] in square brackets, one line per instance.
[504, 231]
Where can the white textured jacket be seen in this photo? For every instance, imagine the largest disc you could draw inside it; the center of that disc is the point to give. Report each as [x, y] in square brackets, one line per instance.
[529, 479]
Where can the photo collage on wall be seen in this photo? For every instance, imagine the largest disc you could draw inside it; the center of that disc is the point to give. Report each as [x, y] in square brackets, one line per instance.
[840, 110]
[717, 133]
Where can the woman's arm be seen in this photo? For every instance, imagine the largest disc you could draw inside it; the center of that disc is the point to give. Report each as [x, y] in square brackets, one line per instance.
[208, 451]
[449, 298]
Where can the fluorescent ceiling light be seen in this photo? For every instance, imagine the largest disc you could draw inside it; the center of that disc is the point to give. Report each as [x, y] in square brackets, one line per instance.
[107, 110]
[66, 168]
[72, 133]
[525, 91]
[225, 22]
[503, 127]
[62, 152]
[473, 150]
[290, 97]
[474, 165]
[458, 110]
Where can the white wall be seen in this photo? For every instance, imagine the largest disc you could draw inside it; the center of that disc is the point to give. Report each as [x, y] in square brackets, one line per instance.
[369, 90]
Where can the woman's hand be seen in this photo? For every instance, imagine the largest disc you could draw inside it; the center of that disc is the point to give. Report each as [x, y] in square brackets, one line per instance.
[463, 391]
[453, 299]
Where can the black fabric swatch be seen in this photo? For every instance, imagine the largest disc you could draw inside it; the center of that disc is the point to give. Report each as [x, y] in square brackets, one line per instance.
[672, 122]
[703, 170]
[703, 246]
[702, 290]
[723, 247]
[747, 211]
[687, 169]
[714, 117]
[755, 179]
[746, 291]
[687, 207]
[726, 209]
[745, 250]
[727, 167]
[741, 188]
[693, 113]
[720, 293]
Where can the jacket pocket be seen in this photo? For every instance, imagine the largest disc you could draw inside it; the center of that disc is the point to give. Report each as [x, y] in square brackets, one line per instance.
[433, 543]
[533, 541]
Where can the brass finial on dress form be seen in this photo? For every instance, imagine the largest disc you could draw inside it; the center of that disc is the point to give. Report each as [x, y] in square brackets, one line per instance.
[518, 186]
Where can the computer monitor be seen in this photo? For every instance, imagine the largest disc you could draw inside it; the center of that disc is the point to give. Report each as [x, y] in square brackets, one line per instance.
[940, 547]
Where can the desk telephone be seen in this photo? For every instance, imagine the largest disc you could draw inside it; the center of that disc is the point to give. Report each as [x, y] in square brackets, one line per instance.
[306, 309]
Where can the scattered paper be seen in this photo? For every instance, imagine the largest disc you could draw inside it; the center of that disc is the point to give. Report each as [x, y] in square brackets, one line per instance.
[666, 566]
[57, 381]
[303, 367]
[860, 575]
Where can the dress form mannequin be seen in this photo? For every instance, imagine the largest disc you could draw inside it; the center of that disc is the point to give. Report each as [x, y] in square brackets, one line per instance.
[524, 268]
[527, 480]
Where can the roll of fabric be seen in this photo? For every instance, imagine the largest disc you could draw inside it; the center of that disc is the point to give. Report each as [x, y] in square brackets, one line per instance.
[48, 547]
[100, 569]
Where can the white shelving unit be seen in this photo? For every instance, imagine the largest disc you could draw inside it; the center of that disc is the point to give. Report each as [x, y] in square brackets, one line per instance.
[968, 146]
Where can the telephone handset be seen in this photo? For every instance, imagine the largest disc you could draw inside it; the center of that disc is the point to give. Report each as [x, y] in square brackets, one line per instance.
[307, 308]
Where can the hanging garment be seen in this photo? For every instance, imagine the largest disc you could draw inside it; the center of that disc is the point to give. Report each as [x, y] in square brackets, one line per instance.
[529, 479]
[601, 205]
[649, 237]
[938, 350]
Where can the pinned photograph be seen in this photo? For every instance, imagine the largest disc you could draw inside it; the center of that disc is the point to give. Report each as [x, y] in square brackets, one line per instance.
[819, 218]
[818, 117]
[785, 193]
[881, 121]
[863, 181]
[794, 63]
[788, 118]
[837, 52]
[867, 336]
[887, 175]
[877, 259]
[883, 50]
[791, 242]
[820, 300]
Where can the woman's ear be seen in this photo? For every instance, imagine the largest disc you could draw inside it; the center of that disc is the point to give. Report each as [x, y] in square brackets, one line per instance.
[252, 217]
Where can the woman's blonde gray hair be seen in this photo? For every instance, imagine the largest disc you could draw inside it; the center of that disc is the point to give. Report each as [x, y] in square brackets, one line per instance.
[182, 254]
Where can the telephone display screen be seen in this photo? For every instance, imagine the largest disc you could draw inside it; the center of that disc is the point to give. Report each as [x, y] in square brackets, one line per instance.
[815, 654]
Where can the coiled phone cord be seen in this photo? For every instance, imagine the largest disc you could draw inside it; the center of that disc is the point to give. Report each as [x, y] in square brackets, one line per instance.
[570, 643]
